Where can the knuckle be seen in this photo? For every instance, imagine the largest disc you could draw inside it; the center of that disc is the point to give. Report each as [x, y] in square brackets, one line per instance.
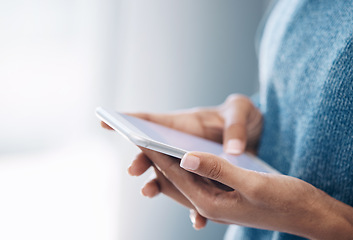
[170, 169]
[236, 102]
[237, 97]
[239, 126]
[215, 172]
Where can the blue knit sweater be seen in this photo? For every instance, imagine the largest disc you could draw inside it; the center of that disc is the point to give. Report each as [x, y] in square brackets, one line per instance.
[306, 96]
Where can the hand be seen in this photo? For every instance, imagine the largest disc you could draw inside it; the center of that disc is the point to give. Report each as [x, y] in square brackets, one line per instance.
[260, 200]
[237, 123]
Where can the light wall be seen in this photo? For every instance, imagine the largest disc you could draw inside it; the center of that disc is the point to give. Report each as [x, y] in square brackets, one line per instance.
[61, 175]
[174, 55]
[186, 53]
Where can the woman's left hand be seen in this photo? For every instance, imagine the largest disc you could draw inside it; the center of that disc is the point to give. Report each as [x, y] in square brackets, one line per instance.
[260, 200]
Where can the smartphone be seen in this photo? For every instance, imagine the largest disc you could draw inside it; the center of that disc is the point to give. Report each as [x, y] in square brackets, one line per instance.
[172, 142]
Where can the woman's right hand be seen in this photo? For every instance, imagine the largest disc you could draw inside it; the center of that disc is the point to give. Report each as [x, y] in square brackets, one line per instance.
[237, 124]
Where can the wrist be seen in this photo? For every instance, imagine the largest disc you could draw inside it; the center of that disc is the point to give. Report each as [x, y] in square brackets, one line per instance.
[333, 219]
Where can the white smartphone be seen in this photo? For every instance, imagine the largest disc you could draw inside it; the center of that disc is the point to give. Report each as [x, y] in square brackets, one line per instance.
[172, 142]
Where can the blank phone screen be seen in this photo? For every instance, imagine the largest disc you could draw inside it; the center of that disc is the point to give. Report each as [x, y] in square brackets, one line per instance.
[189, 143]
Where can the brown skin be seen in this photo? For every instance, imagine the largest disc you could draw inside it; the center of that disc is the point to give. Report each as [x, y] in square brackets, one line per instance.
[267, 201]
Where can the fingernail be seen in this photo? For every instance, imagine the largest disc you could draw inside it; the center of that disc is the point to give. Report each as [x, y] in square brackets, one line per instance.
[234, 146]
[192, 216]
[190, 162]
[129, 171]
[144, 192]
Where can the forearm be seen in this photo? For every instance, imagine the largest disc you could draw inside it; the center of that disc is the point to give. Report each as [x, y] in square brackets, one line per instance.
[332, 219]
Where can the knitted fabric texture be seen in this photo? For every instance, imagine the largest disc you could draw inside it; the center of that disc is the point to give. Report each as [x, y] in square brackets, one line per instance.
[306, 96]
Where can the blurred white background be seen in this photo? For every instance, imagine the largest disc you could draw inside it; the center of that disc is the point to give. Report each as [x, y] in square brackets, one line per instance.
[61, 175]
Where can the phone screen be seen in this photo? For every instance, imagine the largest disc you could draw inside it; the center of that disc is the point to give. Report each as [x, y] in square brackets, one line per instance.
[172, 142]
[189, 142]
[174, 137]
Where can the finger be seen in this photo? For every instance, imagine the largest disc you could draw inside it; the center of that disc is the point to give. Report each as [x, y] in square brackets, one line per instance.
[151, 188]
[192, 187]
[204, 196]
[235, 113]
[168, 189]
[197, 220]
[106, 126]
[160, 184]
[163, 119]
[200, 221]
[140, 165]
[216, 168]
[160, 160]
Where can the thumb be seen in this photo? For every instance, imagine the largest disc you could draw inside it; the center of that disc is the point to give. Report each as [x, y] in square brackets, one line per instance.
[214, 167]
